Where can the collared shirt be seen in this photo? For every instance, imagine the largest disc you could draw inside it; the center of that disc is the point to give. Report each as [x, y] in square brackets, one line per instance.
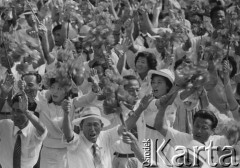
[80, 149]
[179, 138]
[52, 116]
[31, 144]
[122, 147]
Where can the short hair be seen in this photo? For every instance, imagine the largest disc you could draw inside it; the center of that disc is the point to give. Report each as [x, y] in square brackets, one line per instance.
[168, 82]
[215, 10]
[151, 59]
[206, 114]
[99, 63]
[16, 98]
[129, 78]
[56, 28]
[36, 74]
[233, 63]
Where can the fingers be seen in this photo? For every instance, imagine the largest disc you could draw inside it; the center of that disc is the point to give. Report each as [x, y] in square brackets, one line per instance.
[128, 137]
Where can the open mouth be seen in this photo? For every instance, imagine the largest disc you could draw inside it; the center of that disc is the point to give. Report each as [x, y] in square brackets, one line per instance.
[93, 135]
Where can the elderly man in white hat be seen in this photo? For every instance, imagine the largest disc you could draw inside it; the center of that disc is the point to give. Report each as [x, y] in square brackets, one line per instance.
[91, 148]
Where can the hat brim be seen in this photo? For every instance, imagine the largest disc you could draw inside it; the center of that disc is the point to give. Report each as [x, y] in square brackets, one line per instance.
[105, 121]
[160, 73]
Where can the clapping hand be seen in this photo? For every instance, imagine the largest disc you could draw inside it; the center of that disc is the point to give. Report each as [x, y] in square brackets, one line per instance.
[7, 85]
[95, 80]
[23, 103]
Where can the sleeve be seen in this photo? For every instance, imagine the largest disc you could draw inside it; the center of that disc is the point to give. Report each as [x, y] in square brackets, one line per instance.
[111, 136]
[126, 72]
[84, 100]
[38, 137]
[73, 144]
[177, 137]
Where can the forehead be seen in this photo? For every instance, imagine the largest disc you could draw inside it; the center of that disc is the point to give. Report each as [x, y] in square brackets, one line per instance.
[203, 121]
[158, 77]
[92, 120]
[141, 58]
[30, 79]
[219, 13]
[133, 84]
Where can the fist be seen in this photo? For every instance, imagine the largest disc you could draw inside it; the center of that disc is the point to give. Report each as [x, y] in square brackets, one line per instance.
[67, 106]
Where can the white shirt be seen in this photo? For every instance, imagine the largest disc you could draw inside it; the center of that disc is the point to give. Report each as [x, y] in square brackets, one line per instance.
[52, 116]
[31, 144]
[80, 149]
[120, 146]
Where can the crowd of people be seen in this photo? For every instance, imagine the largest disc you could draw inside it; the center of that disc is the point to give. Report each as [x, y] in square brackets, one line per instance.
[119, 83]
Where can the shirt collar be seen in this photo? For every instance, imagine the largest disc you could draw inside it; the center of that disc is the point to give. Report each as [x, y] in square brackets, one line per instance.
[24, 130]
[86, 141]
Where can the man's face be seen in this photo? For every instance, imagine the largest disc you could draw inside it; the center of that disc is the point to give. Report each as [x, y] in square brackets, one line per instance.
[58, 38]
[18, 117]
[32, 86]
[218, 19]
[91, 128]
[30, 19]
[133, 88]
[202, 129]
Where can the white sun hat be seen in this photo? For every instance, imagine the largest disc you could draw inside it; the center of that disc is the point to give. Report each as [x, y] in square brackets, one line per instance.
[91, 112]
[162, 72]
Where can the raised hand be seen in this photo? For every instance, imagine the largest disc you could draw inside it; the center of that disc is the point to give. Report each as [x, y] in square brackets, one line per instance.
[7, 85]
[95, 80]
[23, 104]
[42, 30]
[128, 138]
[66, 106]
[226, 71]
[168, 99]
[146, 100]
[21, 85]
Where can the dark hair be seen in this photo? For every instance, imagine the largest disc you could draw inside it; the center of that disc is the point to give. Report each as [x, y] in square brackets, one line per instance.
[206, 114]
[151, 59]
[56, 28]
[70, 93]
[16, 98]
[168, 82]
[215, 10]
[36, 74]
[99, 63]
[233, 63]
[130, 77]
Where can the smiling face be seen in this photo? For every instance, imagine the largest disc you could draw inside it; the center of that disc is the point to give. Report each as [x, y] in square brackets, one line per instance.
[58, 93]
[159, 86]
[202, 129]
[19, 118]
[32, 86]
[142, 65]
[91, 128]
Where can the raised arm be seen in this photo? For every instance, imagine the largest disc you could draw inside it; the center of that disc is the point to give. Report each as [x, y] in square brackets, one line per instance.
[41, 129]
[6, 88]
[162, 105]
[131, 121]
[67, 126]
[232, 102]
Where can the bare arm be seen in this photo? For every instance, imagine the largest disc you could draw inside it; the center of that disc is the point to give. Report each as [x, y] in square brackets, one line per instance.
[67, 126]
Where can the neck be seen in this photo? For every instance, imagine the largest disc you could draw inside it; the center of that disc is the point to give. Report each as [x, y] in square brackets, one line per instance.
[143, 75]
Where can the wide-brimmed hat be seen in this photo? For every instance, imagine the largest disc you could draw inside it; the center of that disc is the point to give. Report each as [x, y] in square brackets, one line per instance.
[91, 112]
[162, 72]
